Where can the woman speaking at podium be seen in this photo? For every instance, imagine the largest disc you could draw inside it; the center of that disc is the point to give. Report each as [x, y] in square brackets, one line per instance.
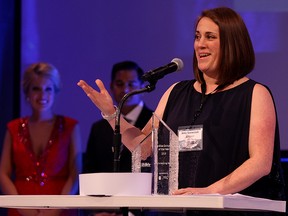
[234, 116]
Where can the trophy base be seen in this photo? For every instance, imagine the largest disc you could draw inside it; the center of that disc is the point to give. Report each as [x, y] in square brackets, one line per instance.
[115, 184]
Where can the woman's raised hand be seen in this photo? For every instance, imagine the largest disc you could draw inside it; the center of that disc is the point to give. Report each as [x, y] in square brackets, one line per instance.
[101, 98]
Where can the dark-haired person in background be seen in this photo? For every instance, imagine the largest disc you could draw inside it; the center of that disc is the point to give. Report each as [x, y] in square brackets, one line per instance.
[125, 77]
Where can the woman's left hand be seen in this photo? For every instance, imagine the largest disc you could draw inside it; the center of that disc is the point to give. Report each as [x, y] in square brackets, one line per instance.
[190, 191]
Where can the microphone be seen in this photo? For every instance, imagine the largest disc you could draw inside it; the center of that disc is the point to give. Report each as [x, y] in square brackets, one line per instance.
[175, 65]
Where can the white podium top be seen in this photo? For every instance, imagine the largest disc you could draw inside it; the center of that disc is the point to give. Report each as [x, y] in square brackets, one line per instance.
[236, 202]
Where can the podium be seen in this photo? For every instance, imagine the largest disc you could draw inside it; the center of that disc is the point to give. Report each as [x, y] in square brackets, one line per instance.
[236, 202]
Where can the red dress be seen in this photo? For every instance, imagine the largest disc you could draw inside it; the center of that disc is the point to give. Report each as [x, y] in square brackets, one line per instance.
[47, 173]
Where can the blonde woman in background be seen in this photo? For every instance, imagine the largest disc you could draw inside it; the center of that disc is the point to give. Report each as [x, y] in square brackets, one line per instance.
[41, 152]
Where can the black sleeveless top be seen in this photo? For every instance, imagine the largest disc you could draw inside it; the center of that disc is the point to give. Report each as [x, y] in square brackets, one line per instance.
[225, 118]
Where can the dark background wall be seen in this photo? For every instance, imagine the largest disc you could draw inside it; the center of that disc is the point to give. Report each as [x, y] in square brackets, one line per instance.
[10, 37]
[10, 16]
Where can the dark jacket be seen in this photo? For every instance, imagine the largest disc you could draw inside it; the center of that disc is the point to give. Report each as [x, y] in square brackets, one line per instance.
[99, 156]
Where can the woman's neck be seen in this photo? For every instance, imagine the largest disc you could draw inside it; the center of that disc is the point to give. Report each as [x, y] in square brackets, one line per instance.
[211, 83]
[42, 116]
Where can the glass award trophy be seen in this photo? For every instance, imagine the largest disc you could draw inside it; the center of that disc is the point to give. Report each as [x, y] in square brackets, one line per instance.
[164, 157]
[139, 165]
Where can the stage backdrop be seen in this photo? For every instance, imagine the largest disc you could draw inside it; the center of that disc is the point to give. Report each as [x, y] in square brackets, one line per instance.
[84, 38]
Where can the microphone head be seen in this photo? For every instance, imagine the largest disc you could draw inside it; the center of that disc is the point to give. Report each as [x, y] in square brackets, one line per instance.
[179, 63]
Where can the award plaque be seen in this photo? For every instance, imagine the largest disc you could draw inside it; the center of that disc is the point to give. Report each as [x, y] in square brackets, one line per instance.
[165, 157]
[164, 161]
[139, 165]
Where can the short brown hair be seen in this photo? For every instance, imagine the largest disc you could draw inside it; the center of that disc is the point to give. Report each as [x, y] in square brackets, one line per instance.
[237, 57]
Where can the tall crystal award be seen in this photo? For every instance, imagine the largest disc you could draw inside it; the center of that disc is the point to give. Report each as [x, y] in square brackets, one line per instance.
[139, 165]
[164, 163]
[165, 157]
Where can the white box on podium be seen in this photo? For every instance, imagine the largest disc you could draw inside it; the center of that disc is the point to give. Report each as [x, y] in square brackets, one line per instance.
[116, 184]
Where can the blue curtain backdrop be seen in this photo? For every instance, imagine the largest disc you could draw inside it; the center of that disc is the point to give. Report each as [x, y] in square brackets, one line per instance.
[84, 38]
[9, 64]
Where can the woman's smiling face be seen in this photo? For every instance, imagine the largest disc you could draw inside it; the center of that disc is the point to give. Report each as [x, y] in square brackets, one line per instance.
[41, 94]
[207, 45]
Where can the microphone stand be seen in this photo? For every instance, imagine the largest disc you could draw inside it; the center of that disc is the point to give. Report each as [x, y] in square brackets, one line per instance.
[117, 135]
